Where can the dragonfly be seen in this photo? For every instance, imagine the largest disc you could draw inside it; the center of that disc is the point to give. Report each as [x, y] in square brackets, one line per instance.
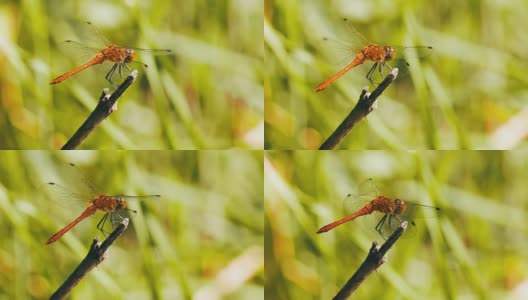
[112, 206]
[381, 55]
[394, 211]
[120, 56]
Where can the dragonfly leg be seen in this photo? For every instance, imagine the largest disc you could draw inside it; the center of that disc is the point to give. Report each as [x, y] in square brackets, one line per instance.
[111, 74]
[102, 223]
[387, 65]
[380, 224]
[121, 69]
[393, 217]
[371, 72]
[115, 218]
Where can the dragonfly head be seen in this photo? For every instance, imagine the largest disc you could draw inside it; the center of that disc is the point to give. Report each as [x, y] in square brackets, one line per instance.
[389, 53]
[130, 55]
[401, 206]
[120, 203]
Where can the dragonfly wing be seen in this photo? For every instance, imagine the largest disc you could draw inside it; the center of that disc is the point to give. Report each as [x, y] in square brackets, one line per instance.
[154, 51]
[408, 58]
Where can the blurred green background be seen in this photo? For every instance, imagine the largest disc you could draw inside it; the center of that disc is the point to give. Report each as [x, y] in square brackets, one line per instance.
[208, 95]
[469, 94]
[474, 249]
[203, 239]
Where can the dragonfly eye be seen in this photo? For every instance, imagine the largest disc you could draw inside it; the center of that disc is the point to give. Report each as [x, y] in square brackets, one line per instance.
[400, 206]
[389, 53]
[131, 55]
[121, 203]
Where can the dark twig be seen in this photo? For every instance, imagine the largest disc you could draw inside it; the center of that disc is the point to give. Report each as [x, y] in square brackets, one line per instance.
[363, 107]
[374, 260]
[95, 256]
[107, 105]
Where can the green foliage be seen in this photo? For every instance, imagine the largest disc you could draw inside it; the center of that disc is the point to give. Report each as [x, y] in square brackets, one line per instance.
[470, 93]
[208, 95]
[474, 247]
[205, 230]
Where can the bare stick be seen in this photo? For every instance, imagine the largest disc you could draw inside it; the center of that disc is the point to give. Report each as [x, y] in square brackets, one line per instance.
[374, 260]
[363, 107]
[107, 105]
[95, 256]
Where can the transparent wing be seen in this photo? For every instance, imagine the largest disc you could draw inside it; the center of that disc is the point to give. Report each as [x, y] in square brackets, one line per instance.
[408, 57]
[414, 215]
[72, 189]
[76, 51]
[90, 35]
[65, 197]
[154, 51]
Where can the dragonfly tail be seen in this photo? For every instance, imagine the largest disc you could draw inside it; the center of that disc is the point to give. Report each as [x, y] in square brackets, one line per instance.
[88, 212]
[366, 210]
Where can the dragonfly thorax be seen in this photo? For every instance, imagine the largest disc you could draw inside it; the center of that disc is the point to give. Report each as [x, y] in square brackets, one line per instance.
[109, 203]
[118, 54]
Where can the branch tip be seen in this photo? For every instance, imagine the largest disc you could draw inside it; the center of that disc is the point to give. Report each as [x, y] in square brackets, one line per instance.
[107, 104]
[375, 258]
[363, 107]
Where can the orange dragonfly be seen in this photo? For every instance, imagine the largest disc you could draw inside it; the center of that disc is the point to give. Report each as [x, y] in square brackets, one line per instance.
[120, 56]
[113, 206]
[395, 212]
[380, 55]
